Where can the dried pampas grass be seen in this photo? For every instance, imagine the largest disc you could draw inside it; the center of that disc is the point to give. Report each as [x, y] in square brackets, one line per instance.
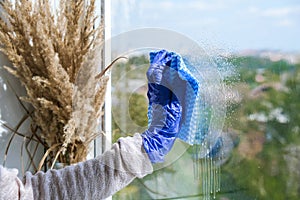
[55, 53]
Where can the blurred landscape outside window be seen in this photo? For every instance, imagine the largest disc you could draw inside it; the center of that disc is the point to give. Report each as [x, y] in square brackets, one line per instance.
[260, 39]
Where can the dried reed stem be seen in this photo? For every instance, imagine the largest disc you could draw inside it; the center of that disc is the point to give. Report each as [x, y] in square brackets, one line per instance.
[23, 119]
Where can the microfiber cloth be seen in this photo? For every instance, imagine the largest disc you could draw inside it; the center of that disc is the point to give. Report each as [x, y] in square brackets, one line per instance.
[196, 127]
[193, 126]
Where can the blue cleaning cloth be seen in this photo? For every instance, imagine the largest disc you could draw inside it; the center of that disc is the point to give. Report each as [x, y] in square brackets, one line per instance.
[182, 82]
[174, 82]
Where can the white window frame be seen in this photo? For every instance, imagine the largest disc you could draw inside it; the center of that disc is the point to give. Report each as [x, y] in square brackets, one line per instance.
[106, 5]
[103, 142]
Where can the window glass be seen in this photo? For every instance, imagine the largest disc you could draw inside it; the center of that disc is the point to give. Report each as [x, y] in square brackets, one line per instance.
[255, 45]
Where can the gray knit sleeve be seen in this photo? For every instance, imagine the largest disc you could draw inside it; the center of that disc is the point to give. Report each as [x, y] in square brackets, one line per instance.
[96, 178]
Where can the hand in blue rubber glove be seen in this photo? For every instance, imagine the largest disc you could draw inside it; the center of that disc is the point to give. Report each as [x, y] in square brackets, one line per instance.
[166, 110]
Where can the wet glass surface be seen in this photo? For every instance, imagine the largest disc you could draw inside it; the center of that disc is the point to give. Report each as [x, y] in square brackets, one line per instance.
[261, 144]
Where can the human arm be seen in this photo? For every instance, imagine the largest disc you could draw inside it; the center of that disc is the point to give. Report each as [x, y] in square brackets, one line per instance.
[93, 179]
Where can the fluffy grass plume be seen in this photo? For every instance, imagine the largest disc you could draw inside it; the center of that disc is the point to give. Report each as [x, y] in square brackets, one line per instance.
[55, 53]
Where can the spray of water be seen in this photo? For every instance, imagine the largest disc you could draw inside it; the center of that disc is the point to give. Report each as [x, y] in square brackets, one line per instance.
[211, 146]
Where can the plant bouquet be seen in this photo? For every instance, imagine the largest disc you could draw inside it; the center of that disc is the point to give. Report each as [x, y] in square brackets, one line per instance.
[55, 53]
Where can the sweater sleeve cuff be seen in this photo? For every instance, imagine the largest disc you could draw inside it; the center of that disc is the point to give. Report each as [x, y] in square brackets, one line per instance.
[134, 156]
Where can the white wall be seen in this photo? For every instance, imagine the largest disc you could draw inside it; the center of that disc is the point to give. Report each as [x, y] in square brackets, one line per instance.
[11, 112]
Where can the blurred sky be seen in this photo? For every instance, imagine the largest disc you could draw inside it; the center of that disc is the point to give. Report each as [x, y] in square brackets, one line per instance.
[234, 24]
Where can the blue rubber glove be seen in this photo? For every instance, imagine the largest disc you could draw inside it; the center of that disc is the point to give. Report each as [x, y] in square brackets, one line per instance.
[166, 110]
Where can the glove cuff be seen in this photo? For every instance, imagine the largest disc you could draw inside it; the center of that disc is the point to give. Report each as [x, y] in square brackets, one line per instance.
[157, 146]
